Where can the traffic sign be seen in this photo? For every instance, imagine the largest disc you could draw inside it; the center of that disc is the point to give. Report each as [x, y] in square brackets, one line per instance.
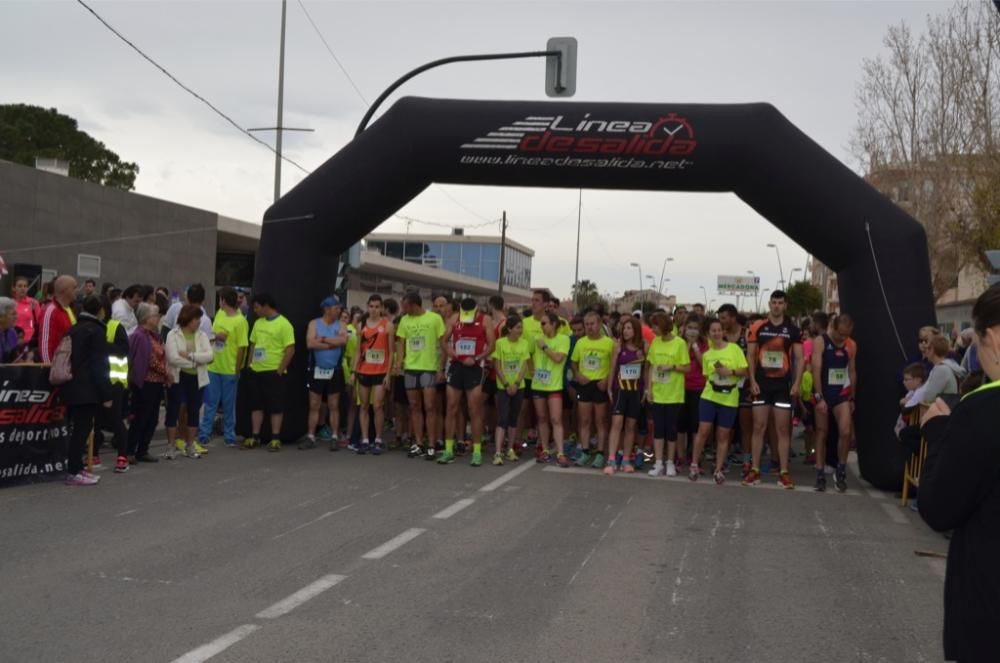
[560, 72]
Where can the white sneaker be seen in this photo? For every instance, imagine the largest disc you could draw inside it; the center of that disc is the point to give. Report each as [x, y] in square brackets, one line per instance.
[671, 469]
[170, 454]
[191, 453]
[657, 470]
[81, 479]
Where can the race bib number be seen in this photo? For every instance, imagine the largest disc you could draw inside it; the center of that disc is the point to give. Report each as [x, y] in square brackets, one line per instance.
[375, 357]
[662, 375]
[837, 377]
[416, 344]
[630, 371]
[323, 373]
[511, 368]
[773, 359]
[543, 376]
[466, 347]
[592, 363]
[258, 355]
[218, 346]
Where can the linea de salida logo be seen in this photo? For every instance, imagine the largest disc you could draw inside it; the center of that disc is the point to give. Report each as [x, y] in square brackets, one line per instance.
[668, 136]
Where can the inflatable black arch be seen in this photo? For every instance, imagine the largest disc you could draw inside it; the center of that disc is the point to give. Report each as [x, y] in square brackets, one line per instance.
[878, 251]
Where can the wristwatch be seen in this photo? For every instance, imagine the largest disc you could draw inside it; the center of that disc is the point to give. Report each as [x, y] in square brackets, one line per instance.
[818, 396]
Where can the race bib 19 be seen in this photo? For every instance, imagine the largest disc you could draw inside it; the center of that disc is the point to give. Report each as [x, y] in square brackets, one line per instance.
[543, 376]
[465, 347]
[630, 371]
[323, 373]
[661, 375]
[592, 363]
[837, 377]
[375, 357]
[258, 355]
[511, 368]
[773, 359]
[416, 344]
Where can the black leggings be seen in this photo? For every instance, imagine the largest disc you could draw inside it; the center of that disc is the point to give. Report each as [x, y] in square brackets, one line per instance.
[146, 406]
[185, 391]
[82, 418]
[508, 408]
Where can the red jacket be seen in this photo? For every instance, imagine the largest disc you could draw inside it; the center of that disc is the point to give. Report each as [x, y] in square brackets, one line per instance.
[55, 323]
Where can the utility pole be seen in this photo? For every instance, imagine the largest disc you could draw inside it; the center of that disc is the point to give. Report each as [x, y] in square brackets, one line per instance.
[576, 274]
[503, 250]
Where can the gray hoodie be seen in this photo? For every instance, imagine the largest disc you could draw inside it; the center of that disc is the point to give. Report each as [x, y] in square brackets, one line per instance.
[944, 379]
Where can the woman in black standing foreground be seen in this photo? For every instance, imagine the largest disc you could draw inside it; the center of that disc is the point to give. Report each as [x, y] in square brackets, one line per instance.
[960, 491]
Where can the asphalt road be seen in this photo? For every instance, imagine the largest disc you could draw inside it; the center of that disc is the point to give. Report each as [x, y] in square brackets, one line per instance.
[247, 556]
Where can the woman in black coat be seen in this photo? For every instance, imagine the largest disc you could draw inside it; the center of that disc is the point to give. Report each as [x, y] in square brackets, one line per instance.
[90, 388]
[960, 491]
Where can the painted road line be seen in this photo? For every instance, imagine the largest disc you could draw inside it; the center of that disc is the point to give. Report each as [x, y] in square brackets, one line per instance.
[218, 645]
[454, 508]
[393, 544]
[312, 522]
[683, 480]
[895, 514]
[496, 483]
[125, 513]
[310, 591]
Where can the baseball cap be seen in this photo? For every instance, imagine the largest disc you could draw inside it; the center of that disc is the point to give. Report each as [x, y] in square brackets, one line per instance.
[637, 313]
[330, 301]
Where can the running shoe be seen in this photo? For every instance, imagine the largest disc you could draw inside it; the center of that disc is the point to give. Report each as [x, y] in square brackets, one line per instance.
[121, 465]
[169, 454]
[477, 459]
[460, 447]
[353, 446]
[628, 467]
[647, 456]
[638, 460]
[231, 444]
[95, 463]
[840, 479]
[658, 469]
[308, 442]
[444, 458]
[720, 478]
[562, 460]
[785, 481]
[599, 461]
[512, 456]
[193, 453]
[583, 459]
[752, 478]
[334, 444]
[325, 433]
[179, 444]
[378, 447]
[671, 469]
[693, 472]
[746, 471]
[498, 458]
[200, 449]
[820, 486]
[416, 451]
[363, 447]
[609, 470]
[251, 443]
[275, 445]
[81, 479]
[543, 457]
[431, 452]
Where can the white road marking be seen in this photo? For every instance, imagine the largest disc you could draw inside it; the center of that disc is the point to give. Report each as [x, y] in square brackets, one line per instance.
[894, 513]
[504, 478]
[125, 513]
[393, 544]
[312, 522]
[450, 511]
[141, 581]
[599, 541]
[310, 591]
[218, 645]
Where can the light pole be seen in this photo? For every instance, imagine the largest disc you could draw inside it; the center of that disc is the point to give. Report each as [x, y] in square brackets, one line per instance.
[704, 292]
[639, 267]
[757, 298]
[663, 271]
[781, 272]
[791, 274]
[652, 286]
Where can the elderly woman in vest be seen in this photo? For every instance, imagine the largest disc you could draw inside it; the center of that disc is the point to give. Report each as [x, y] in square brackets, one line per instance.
[189, 352]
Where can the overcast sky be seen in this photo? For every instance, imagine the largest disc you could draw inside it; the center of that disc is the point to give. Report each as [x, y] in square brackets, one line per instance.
[803, 57]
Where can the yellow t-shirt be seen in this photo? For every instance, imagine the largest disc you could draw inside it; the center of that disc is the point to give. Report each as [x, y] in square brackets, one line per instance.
[731, 357]
[668, 385]
[420, 334]
[549, 374]
[510, 357]
[593, 357]
[270, 338]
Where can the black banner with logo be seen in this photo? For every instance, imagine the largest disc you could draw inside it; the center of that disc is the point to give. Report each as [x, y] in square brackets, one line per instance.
[34, 428]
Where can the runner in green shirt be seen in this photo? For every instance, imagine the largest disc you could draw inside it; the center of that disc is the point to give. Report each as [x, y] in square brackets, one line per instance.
[549, 359]
[272, 344]
[668, 361]
[230, 345]
[722, 365]
[591, 358]
[417, 356]
[512, 361]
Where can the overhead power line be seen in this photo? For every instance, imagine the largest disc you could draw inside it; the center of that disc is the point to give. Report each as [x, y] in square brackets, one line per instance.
[185, 87]
[333, 55]
[411, 219]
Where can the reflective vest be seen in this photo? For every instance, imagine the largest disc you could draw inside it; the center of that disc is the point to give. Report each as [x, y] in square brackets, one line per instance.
[118, 365]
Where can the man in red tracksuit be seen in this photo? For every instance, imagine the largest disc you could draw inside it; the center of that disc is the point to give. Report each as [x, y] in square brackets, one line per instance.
[57, 317]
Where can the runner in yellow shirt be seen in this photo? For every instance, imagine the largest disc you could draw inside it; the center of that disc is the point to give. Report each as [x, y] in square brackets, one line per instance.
[668, 361]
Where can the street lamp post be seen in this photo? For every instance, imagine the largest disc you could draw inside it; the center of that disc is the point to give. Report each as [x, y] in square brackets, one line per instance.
[663, 271]
[639, 267]
[791, 274]
[704, 292]
[781, 272]
[757, 298]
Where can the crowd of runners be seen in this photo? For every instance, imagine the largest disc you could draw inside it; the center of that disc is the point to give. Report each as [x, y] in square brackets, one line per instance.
[617, 393]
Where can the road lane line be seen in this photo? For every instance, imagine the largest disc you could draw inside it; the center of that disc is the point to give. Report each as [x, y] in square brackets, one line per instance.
[312, 522]
[125, 513]
[218, 645]
[393, 544]
[496, 483]
[894, 513]
[310, 591]
[450, 511]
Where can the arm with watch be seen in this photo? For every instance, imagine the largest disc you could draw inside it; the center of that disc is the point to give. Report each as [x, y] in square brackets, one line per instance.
[557, 357]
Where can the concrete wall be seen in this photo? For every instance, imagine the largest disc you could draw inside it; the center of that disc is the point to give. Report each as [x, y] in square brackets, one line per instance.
[49, 219]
